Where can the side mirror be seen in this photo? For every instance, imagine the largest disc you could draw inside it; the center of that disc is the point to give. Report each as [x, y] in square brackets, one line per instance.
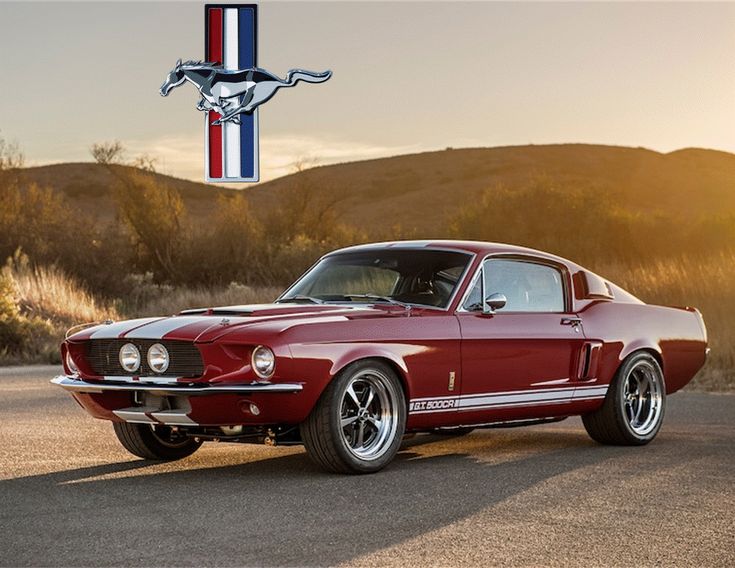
[494, 302]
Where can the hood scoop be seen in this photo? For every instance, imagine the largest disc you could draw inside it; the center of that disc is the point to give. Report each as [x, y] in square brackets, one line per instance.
[261, 310]
[216, 312]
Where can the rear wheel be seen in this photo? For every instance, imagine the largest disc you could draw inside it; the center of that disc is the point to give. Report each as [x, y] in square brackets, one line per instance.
[359, 421]
[154, 442]
[634, 406]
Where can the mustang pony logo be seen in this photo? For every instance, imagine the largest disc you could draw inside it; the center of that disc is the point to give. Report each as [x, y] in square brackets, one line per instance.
[231, 93]
[232, 86]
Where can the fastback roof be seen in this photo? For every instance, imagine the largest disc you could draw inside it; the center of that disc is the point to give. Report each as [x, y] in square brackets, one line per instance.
[477, 247]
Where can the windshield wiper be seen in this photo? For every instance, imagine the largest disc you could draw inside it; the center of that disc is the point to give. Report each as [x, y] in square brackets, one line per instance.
[299, 298]
[378, 298]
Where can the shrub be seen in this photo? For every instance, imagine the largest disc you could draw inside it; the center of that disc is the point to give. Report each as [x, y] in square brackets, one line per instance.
[37, 306]
[154, 214]
[21, 337]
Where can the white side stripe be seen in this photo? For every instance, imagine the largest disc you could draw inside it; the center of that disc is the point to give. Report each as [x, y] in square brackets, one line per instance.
[508, 399]
[529, 391]
[494, 400]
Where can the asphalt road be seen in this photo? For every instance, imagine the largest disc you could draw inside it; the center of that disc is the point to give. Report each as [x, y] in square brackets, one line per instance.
[544, 495]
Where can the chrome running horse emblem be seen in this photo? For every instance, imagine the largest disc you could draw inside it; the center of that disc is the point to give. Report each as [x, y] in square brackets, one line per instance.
[231, 87]
[232, 93]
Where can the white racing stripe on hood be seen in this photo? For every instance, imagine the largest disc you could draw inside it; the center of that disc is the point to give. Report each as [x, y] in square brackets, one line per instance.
[114, 330]
[158, 329]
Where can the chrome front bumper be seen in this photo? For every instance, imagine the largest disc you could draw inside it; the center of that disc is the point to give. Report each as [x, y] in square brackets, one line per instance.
[77, 385]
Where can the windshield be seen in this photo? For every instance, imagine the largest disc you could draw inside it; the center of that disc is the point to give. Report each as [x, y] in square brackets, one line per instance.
[421, 277]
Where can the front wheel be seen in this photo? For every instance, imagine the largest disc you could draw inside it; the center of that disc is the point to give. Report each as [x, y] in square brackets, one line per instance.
[154, 442]
[633, 410]
[359, 421]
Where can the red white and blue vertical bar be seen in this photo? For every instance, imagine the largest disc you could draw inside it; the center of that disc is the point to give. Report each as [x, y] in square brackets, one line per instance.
[231, 150]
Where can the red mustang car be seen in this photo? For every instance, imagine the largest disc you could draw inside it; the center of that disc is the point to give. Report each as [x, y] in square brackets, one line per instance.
[379, 340]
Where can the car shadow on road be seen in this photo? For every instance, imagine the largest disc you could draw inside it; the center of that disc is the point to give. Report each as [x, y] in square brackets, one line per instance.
[275, 511]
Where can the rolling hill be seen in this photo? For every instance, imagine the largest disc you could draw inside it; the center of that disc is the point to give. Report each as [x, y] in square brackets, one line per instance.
[419, 191]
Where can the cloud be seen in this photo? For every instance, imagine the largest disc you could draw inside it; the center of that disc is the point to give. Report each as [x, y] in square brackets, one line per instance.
[175, 155]
[184, 156]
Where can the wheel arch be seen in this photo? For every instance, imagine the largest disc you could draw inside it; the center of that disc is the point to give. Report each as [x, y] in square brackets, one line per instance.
[642, 347]
[393, 361]
[649, 350]
[656, 355]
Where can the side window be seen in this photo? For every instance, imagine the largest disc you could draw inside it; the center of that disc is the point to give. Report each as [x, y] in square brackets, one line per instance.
[528, 286]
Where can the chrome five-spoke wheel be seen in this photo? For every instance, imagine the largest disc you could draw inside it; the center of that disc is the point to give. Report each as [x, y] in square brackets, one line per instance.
[633, 409]
[368, 414]
[359, 421]
[642, 398]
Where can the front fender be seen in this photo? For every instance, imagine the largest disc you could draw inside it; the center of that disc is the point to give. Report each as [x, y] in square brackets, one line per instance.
[369, 352]
[322, 362]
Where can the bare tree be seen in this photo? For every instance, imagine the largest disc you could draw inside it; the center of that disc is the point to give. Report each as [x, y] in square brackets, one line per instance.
[107, 152]
[11, 156]
[145, 162]
[303, 163]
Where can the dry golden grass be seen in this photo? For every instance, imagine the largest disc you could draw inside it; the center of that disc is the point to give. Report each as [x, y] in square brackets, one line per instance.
[41, 304]
[706, 283]
[48, 293]
[48, 302]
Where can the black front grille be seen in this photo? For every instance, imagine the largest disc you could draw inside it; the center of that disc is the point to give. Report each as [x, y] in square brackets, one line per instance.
[103, 358]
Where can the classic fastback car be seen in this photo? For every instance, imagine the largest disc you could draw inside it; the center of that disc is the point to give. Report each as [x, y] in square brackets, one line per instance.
[380, 340]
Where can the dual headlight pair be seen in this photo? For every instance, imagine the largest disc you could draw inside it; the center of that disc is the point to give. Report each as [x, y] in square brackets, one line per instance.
[157, 357]
[262, 359]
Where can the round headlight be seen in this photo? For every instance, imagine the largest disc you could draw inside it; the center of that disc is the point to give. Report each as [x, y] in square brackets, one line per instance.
[130, 357]
[264, 362]
[70, 364]
[158, 358]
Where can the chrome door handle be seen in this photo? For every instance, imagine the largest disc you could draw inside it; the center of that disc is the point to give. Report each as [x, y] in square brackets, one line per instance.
[575, 322]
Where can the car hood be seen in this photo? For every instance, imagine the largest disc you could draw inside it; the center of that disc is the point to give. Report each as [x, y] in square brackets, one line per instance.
[208, 324]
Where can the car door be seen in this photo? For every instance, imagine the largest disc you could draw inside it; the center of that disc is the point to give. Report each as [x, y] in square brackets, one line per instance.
[520, 361]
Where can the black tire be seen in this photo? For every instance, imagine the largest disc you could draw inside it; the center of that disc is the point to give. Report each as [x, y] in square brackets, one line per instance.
[618, 421]
[154, 442]
[337, 448]
[453, 432]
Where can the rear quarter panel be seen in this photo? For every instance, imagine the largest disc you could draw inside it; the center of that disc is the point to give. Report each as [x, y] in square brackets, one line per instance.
[676, 335]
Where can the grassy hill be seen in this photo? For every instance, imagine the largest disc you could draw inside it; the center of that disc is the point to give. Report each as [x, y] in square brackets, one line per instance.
[419, 191]
[88, 186]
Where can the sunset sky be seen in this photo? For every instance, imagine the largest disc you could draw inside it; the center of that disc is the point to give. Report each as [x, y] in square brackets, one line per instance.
[407, 77]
